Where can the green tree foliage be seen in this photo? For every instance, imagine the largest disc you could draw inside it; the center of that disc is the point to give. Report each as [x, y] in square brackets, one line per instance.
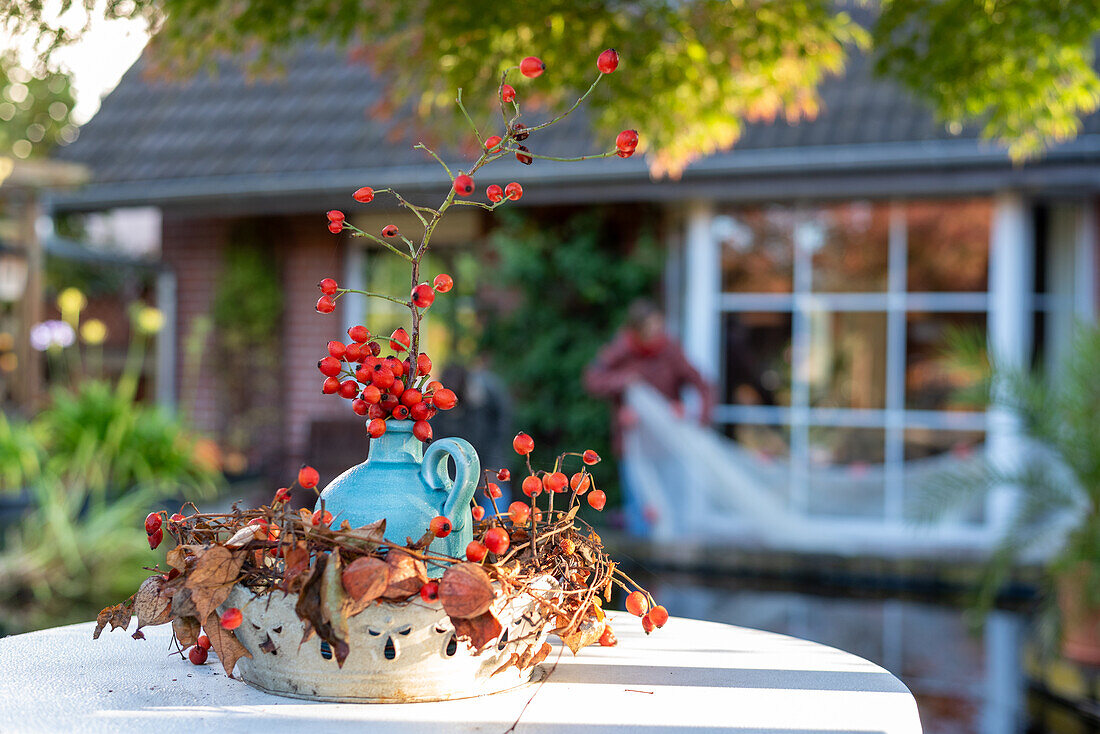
[693, 71]
[573, 278]
[35, 107]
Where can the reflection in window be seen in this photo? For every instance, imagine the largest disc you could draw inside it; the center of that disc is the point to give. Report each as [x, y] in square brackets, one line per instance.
[847, 365]
[948, 245]
[932, 381]
[846, 474]
[851, 252]
[757, 251]
[757, 358]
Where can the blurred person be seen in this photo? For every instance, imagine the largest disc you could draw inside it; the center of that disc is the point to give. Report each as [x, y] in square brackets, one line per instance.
[642, 351]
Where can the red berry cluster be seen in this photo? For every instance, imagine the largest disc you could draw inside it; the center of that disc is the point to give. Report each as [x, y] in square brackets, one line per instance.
[382, 387]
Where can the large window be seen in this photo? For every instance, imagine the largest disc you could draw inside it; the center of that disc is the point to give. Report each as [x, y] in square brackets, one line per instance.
[834, 323]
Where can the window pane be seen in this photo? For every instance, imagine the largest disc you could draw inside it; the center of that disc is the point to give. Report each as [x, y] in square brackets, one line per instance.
[948, 245]
[847, 366]
[930, 382]
[850, 245]
[929, 452]
[846, 473]
[757, 251]
[757, 358]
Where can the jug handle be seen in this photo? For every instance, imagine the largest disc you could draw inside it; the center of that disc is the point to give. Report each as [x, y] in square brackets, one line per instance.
[467, 471]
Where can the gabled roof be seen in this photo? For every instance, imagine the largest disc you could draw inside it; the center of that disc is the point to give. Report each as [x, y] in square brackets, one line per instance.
[225, 142]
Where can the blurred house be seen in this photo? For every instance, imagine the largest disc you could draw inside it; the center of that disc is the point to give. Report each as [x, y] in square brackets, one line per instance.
[814, 271]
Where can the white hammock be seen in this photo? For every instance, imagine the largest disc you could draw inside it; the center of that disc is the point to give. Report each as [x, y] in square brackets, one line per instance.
[687, 481]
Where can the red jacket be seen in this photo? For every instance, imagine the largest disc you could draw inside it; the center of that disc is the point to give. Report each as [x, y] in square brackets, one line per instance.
[661, 364]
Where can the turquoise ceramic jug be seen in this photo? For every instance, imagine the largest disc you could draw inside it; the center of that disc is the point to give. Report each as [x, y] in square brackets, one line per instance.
[408, 485]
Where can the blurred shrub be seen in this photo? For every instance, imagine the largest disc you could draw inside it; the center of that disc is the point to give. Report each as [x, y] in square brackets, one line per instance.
[90, 465]
[568, 281]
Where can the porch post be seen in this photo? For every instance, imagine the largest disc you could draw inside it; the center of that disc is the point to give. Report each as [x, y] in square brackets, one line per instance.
[1011, 276]
[702, 285]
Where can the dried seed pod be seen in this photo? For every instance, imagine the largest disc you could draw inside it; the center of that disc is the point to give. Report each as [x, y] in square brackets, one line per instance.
[407, 574]
[465, 591]
[149, 606]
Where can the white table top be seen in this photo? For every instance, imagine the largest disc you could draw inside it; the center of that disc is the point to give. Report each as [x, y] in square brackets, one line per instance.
[688, 676]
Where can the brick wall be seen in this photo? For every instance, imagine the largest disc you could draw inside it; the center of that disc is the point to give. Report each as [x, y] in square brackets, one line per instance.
[309, 253]
[191, 247]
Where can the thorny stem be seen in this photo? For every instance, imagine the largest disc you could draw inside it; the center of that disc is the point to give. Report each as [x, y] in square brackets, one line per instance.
[477, 133]
[371, 294]
[594, 156]
[432, 153]
[565, 114]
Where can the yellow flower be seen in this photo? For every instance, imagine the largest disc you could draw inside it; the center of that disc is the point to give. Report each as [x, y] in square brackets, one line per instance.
[150, 320]
[71, 301]
[93, 331]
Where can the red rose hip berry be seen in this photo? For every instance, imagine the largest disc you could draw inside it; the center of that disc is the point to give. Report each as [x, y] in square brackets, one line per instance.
[308, 477]
[336, 227]
[464, 185]
[390, 230]
[519, 512]
[497, 540]
[590, 457]
[495, 193]
[203, 642]
[555, 482]
[531, 67]
[507, 93]
[627, 140]
[197, 655]
[443, 282]
[328, 286]
[597, 499]
[231, 619]
[377, 428]
[523, 444]
[364, 195]
[513, 191]
[429, 592]
[325, 304]
[532, 486]
[440, 526]
[444, 399]
[636, 603]
[423, 295]
[478, 512]
[476, 551]
[658, 615]
[608, 61]
[359, 333]
[422, 430]
[152, 523]
[155, 538]
[492, 142]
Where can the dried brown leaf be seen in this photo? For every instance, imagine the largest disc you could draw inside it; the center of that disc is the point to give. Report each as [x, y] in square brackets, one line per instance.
[407, 574]
[224, 642]
[479, 631]
[212, 578]
[268, 645]
[465, 591]
[332, 605]
[366, 538]
[541, 654]
[296, 564]
[513, 659]
[118, 616]
[180, 556]
[365, 579]
[182, 606]
[585, 633]
[186, 630]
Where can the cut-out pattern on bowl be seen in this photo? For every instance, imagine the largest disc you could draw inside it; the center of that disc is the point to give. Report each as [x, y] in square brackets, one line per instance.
[397, 653]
